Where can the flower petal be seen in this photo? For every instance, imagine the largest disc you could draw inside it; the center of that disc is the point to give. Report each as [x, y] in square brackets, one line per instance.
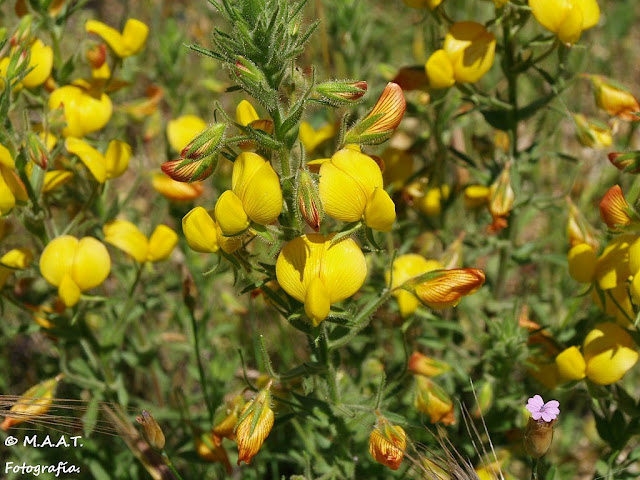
[343, 269]
[161, 243]
[125, 235]
[56, 260]
[90, 157]
[380, 212]
[230, 214]
[316, 302]
[68, 291]
[117, 158]
[262, 200]
[91, 264]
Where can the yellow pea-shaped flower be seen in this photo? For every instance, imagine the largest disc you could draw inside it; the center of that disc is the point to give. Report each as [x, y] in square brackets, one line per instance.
[103, 167]
[582, 263]
[204, 234]
[571, 364]
[609, 352]
[566, 18]
[318, 274]
[351, 189]
[74, 266]
[255, 195]
[127, 237]
[129, 42]
[471, 49]
[83, 112]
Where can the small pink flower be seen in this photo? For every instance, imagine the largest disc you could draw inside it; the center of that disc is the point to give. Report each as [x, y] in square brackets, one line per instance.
[547, 411]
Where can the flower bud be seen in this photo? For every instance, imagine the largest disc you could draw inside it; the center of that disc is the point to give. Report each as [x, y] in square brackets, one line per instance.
[96, 55]
[254, 426]
[383, 119]
[628, 162]
[33, 403]
[309, 201]
[37, 151]
[579, 230]
[23, 32]
[209, 447]
[188, 171]
[387, 443]
[538, 437]
[207, 143]
[429, 367]
[445, 288]
[340, 93]
[247, 71]
[582, 263]
[614, 209]
[501, 198]
[615, 99]
[432, 400]
[591, 133]
[151, 431]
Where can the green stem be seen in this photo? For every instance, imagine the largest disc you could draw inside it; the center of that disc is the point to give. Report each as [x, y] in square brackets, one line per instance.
[534, 468]
[203, 380]
[362, 320]
[169, 463]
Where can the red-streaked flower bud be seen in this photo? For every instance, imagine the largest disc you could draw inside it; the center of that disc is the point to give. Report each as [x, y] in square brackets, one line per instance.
[440, 289]
[383, 119]
[254, 425]
[309, 202]
[339, 93]
[188, 171]
[429, 367]
[248, 71]
[387, 444]
[205, 144]
[37, 151]
[23, 33]
[628, 162]
[96, 55]
[614, 209]
[33, 403]
[151, 431]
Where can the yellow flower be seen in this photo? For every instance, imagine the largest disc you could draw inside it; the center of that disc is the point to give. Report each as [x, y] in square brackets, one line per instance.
[571, 364]
[33, 403]
[615, 99]
[612, 268]
[406, 267]
[318, 274]
[582, 263]
[83, 112]
[12, 189]
[255, 425]
[129, 42]
[182, 130]
[566, 18]
[387, 444]
[103, 167]
[432, 400]
[312, 138]
[255, 195]
[16, 259]
[204, 234]
[209, 448]
[74, 266]
[614, 209]
[467, 54]
[174, 190]
[40, 61]
[609, 352]
[591, 133]
[351, 189]
[126, 236]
